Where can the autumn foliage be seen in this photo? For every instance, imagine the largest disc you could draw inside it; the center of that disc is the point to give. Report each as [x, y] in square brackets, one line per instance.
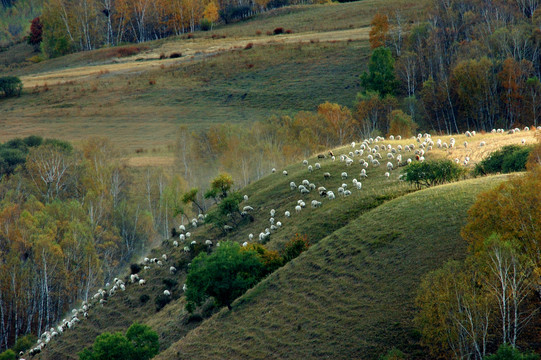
[379, 30]
[470, 308]
[36, 32]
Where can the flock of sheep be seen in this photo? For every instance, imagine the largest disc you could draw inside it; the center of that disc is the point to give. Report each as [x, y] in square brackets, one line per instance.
[370, 153]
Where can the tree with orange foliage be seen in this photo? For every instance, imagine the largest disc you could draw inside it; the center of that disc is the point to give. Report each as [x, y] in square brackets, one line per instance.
[511, 210]
[378, 32]
[339, 120]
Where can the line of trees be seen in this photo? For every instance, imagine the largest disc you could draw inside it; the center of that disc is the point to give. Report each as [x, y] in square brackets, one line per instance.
[71, 218]
[473, 65]
[468, 308]
[89, 24]
[250, 152]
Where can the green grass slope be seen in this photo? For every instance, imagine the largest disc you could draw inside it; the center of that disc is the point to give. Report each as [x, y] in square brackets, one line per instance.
[349, 296]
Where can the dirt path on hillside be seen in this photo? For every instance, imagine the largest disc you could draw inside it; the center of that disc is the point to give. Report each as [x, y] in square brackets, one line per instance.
[190, 50]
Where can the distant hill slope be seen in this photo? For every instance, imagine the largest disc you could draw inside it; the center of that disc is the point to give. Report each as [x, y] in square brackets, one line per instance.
[351, 296]
[102, 93]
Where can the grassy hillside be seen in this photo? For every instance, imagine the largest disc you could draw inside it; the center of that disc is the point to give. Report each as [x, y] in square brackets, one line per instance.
[349, 296]
[98, 93]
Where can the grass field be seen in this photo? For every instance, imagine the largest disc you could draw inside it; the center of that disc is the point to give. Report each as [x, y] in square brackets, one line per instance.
[140, 100]
[351, 295]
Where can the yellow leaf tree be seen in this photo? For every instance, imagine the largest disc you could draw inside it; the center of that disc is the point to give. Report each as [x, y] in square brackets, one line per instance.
[211, 13]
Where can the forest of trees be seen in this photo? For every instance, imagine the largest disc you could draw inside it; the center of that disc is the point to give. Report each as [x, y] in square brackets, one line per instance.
[89, 24]
[474, 65]
[250, 152]
[70, 219]
[469, 308]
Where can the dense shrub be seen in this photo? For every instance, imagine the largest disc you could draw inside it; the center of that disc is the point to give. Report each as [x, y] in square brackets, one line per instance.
[205, 25]
[175, 55]
[161, 300]
[401, 124]
[169, 283]
[135, 268]
[430, 173]
[507, 352]
[278, 31]
[223, 275]
[295, 247]
[24, 343]
[271, 259]
[140, 343]
[144, 298]
[11, 86]
[8, 355]
[508, 159]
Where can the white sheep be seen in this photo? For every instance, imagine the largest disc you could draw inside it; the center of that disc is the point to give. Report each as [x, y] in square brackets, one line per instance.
[344, 175]
[284, 173]
[245, 197]
[317, 166]
[244, 244]
[208, 242]
[305, 162]
[292, 185]
[298, 208]
[172, 269]
[186, 249]
[387, 175]
[389, 166]
[175, 243]
[182, 228]
[315, 204]
[159, 263]
[167, 293]
[287, 214]
[250, 237]
[247, 208]
[184, 287]
[482, 143]
[330, 195]
[142, 282]
[164, 257]
[272, 212]
[273, 170]
[279, 224]
[188, 234]
[310, 168]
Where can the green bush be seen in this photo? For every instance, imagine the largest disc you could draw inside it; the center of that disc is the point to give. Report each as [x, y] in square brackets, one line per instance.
[11, 86]
[205, 25]
[161, 300]
[144, 298]
[223, 275]
[8, 355]
[507, 352]
[24, 343]
[169, 283]
[430, 173]
[144, 341]
[393, 354]
[140, 343]
[510, 158]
